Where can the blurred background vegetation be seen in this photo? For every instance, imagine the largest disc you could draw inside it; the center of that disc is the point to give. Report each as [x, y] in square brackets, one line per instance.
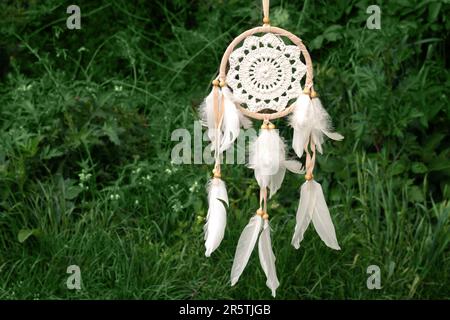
[85, 139]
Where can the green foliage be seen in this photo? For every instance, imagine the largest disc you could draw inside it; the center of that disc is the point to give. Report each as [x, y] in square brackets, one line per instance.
[85, 174]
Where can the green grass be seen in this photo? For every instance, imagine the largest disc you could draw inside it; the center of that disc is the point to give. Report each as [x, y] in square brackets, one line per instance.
[105, 99]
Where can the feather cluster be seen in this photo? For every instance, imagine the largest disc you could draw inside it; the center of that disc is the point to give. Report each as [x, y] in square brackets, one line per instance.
[223, 126]
[216, 219]
[268, 159]
[232, 119]
[310, 122]
[313, 207]
[246, 244]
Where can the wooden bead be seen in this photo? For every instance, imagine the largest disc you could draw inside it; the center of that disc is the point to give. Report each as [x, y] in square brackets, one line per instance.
[265, 216]
[313, 94]
[264, 126]
[259, 212]
[222, 83]
[309, 176]
[215, 83]
[306, 91]
[266, 20]
[216, 173]
[271, 126]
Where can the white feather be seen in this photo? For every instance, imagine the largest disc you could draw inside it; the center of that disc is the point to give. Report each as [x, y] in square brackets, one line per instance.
[322, 221]
[276, 180]
[230, 122]
[322, 125]
[216, 219]
[267, 258]
[207, 116]
[245, 246]
[245, 122]
[265, 156]
[304, 212]
[301, 120]
[267, 159]
[313, 207]
[294, 166]
[232, 119]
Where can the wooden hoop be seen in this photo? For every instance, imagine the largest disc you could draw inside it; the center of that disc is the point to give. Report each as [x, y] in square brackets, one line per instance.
[268, 29]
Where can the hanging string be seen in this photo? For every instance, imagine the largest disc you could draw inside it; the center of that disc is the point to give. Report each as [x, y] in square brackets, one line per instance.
[266, 6]
[263, 199]
[218, 112]
[216, 104]
[310, 161]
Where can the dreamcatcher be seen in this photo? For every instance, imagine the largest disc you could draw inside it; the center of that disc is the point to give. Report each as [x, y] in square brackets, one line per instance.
[261, 77]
